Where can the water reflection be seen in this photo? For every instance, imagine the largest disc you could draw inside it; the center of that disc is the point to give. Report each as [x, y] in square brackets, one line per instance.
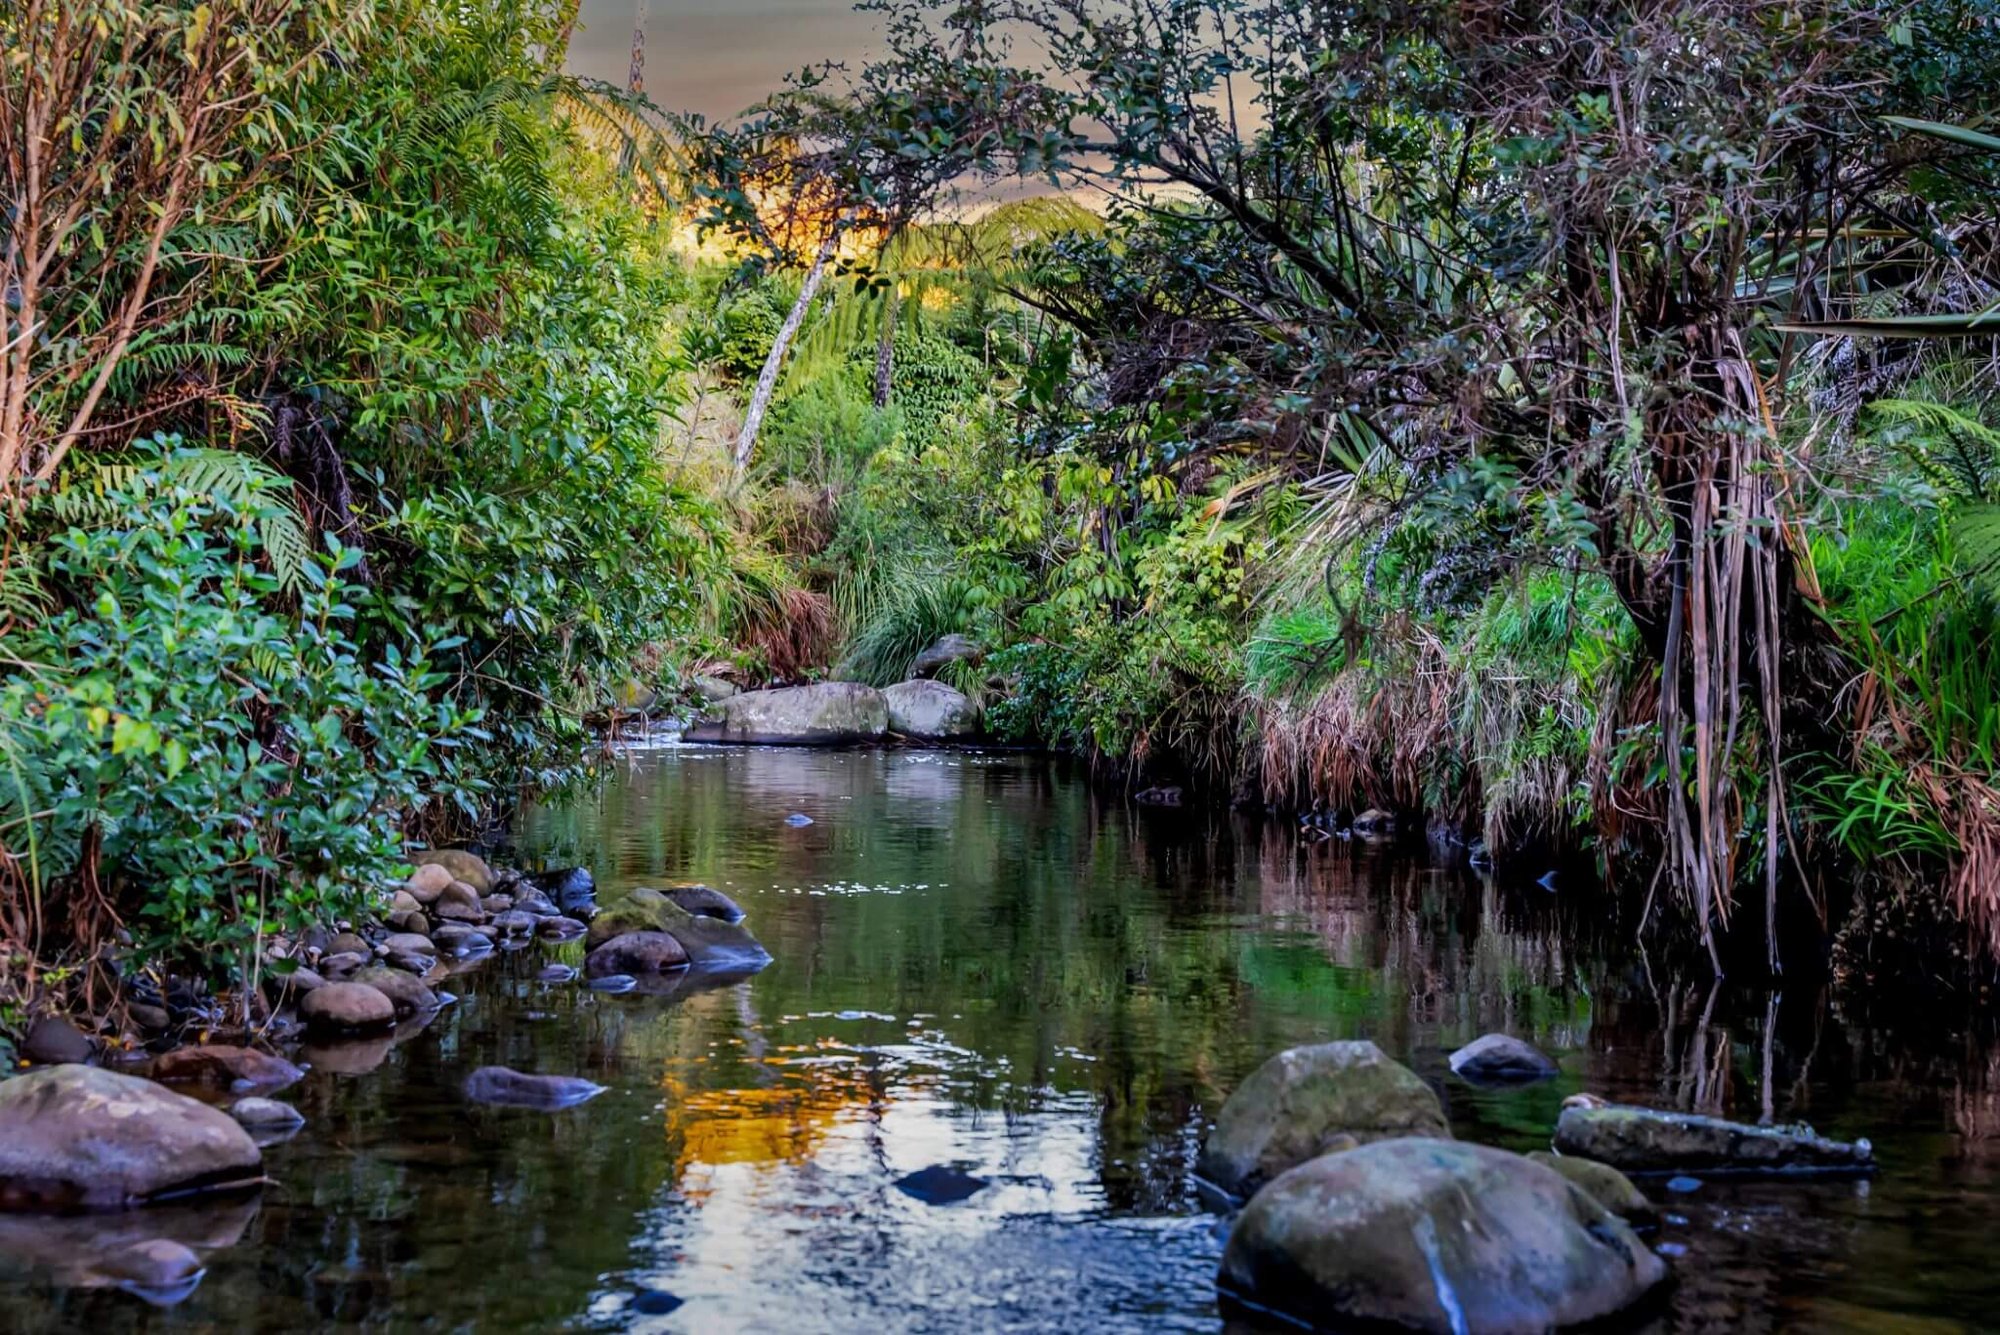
[986, 974]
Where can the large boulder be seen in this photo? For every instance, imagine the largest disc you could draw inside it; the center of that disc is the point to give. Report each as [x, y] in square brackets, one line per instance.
[828, 713]
[1644, 1140]
[77, 1137]
[948, 649]
[1501, 1059]
[930, 710]
[710, 942]
[1434, 1235]
[1306, 1100]
[463, 866]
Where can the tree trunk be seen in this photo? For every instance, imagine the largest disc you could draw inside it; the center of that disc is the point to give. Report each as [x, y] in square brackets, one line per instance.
[885, 347]
[767, 379]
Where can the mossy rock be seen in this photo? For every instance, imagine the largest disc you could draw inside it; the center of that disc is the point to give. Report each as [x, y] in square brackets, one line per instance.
[1604, 1184]
[1300, 1103]
[710, 942]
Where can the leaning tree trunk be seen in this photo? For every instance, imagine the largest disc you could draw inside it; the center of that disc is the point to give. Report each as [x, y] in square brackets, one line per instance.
[885, 347]
[767, 379]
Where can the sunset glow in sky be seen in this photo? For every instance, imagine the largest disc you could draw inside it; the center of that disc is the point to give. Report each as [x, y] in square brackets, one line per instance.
[716, 57]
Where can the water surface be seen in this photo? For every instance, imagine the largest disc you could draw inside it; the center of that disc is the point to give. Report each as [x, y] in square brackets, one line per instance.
[1035, 998]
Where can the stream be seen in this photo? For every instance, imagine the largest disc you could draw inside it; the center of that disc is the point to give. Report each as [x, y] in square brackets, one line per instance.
[968, 1092]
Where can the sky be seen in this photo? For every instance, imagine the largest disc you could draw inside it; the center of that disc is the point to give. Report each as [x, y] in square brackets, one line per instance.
[716, 57]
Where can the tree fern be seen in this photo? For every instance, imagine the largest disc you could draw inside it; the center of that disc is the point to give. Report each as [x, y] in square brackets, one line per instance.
[94, 495]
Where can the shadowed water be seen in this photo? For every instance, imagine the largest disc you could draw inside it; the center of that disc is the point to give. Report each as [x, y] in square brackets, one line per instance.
[968, 1093]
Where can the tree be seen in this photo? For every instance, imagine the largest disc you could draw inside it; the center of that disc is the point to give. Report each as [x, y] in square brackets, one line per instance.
[132, 134]
[1499, 249]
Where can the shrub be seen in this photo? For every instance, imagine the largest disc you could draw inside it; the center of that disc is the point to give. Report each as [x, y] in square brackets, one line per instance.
[195, 755]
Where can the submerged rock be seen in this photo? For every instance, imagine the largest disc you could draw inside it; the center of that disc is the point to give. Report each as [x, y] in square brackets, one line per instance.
[225, 1066]
[266, 1114]
[1301, 1102]
[1499, 1059]
[515, 1089]
[345, 1008]
[930, 710]
[1434, 1235]
[636, 953]
[77, 1137]
[828, 713]
[613, 983]
[463, 866]
[940, 1184]
[1603, 1184]
[1643, 1140]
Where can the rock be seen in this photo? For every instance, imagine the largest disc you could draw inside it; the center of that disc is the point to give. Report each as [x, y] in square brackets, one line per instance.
[613, 983]
[406, 992]
[457, 895]
[294, 983]
[712, 689]
[428, 883]
[225, 1066]
[1642, 1140]
[1603, 1184]
[460, 913]
[634, 953]
[710, 942]
[798, 820]
[556, 973]
[52, 1041]
[530, 900]
[77, 1137]
[948, 649]
[412, 924]
[828, 713]
[569, 887]
[1159, 796]
[1434, 1235]
[337, 967]
[346, 1008]
[266, 1114]
[1497, 1059]
[1299, 1101]
[559, 929]
[463, 866]
[633, 697]
[1375, 821]
[497, 1084]
[151, 1019]
[348, 943]
[497, 904]
[930, 710]
[463, 942]
[401, 905]
[516, 923]
[415, 943]
[410, 961]
[705, 902]
[940, 1184]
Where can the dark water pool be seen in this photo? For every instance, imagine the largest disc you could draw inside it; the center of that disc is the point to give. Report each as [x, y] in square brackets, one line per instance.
[984, 969]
